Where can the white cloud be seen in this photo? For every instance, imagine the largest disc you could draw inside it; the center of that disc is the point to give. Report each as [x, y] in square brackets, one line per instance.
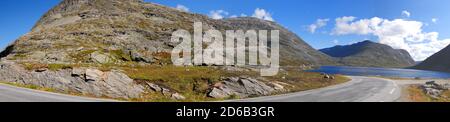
[319, 23]
[262, 14]
[434, 20]
[336, 41]
[406, 13]
[397, 33]
[182, 8]
[235, 16]
[259, 13]
[345, 25]
[218, 14]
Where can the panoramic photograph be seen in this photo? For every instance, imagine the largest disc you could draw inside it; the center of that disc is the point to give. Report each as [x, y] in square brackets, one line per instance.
[224, 51]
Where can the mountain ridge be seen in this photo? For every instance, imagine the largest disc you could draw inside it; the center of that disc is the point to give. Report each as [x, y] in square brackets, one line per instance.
[437, 62]
[369, 54]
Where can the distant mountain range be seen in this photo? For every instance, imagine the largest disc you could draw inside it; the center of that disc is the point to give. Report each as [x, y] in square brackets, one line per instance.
[370, 54]
[440, 61]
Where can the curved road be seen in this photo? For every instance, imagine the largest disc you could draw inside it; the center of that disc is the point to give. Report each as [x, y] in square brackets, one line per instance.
[359, 89]
[15, 94]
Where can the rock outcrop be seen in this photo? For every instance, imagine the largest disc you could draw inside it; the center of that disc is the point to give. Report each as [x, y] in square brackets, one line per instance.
[243, 88]
[434, 89]
[164, 91]
[86, 81]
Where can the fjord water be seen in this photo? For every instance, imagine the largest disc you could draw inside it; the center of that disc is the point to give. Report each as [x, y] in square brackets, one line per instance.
[385, 72]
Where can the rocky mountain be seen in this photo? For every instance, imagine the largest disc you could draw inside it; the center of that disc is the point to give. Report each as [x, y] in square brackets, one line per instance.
[437, 62]
[115, 31]
[370, 54]
[121, 49]
[293, 49]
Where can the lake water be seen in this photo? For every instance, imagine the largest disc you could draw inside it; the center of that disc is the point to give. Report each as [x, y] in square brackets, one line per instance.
[386, 72]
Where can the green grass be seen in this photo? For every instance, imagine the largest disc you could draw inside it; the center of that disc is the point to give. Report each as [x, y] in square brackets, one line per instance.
[81, 56]
[18, 57]
[302, 81]
[119, 54]
[52, 67]
[55, 67]
[194, 82]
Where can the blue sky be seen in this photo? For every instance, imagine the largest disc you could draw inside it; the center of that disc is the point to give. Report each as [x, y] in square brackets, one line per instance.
[415, 16]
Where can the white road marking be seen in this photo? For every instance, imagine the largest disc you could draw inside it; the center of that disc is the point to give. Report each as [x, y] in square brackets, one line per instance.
[337, 93]
[395, 86]
[392, 91]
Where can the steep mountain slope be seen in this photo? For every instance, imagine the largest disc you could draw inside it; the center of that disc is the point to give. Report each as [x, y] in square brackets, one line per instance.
[116, 31]
[370, 54]
[437, 62]
[293, 49]
[121, 49]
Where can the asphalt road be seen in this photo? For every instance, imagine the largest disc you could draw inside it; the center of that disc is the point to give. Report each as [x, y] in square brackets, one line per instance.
[15, 94]
[359, 89]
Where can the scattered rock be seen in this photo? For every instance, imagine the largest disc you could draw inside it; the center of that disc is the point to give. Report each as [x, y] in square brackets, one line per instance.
[254, 87]
[102, 58]
[217, 93]
[154, 87]
[435, 93]
[177, 96]
[120, 82]
[327, 76]
[434, 89]
[446, 86]
[432, 83]
[93, 75]
[233, 69]
[166, 92]
[242, 87]
[78, 72]
[136, 56]
[80, 48]
[276, 86]
[55, 57]
[41, 70]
